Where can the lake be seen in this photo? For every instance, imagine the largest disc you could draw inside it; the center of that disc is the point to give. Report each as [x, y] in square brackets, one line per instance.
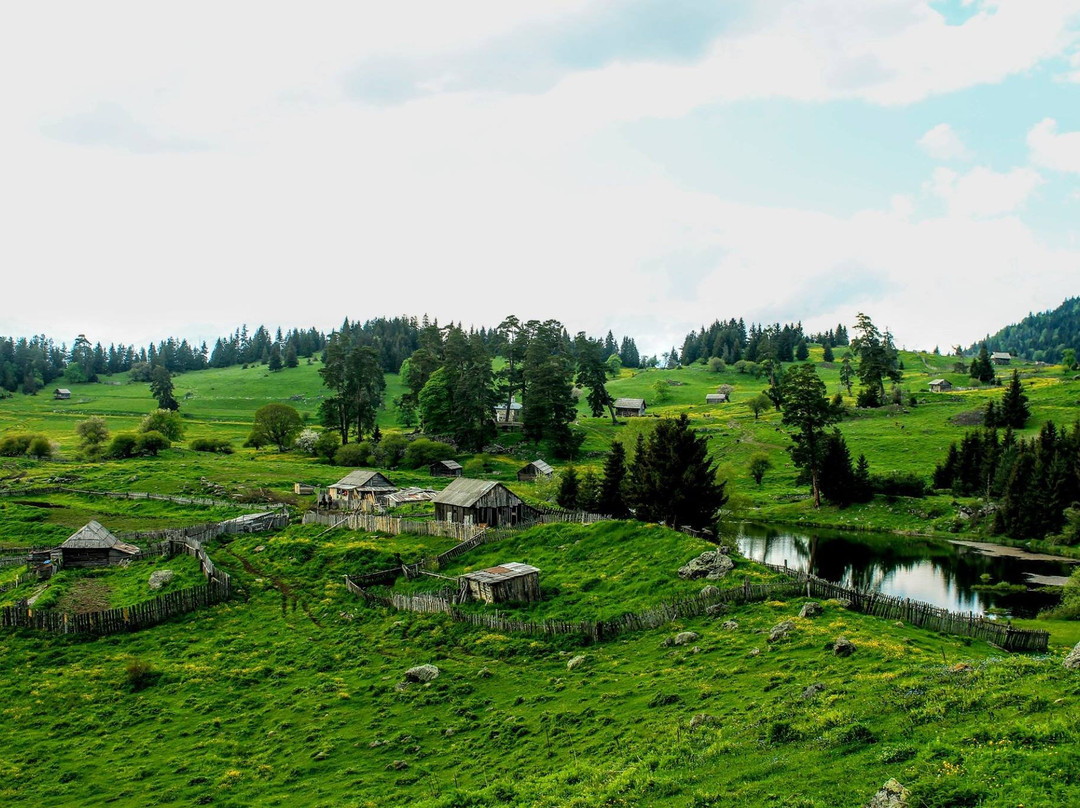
[939, 572]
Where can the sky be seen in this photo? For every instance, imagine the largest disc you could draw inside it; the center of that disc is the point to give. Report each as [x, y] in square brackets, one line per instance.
[643, 166]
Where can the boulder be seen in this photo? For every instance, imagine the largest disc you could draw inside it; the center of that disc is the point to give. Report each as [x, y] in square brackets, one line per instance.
[683, 637]
[780, 630]
[891, 795]
[703, 719]
[712, 565]
[843, 647]
[422, 673]
[729, 625]
[812, 691]
[1072, 661]
[811, 609]
[159, 578]
[716, 608]
[709, 591]
[754, 652]
[575, 661]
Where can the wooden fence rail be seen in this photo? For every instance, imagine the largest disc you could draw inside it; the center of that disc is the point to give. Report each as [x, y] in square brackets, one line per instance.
[179, 500]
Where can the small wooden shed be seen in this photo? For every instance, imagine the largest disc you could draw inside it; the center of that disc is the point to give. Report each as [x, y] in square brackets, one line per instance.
[716, 398]
[629, 407]
[537, 468]
[354, 488]
[92, 546]
[506, 583]
[1001, 357]
[940, 385]
[446, 468]
[61, 394]
[478, 502]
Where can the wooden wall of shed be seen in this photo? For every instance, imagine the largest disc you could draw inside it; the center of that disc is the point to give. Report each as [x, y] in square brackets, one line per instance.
[520, 589]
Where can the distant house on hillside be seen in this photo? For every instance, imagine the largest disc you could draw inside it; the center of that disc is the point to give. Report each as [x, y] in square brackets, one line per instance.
[352, 490]
[940, 385]
[61, 394]
[512, 582]
[537, 468]
[92, 546]
[1000, 357]
[445, 468]
[508, 416]
[716, 398]
[478, 502]
[629, 407]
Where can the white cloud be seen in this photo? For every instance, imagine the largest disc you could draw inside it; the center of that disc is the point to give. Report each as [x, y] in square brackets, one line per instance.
[982, 192]
[1049, 149]
[942, 143]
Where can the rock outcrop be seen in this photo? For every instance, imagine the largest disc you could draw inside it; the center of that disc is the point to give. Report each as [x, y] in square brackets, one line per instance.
[891, 795]
[422, 673]
[712, 565]
[159, 578]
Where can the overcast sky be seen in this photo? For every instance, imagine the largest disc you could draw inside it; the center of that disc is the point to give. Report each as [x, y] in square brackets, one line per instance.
[645, 166]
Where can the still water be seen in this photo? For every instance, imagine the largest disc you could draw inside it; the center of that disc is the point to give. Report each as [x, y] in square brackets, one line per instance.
[933, 571]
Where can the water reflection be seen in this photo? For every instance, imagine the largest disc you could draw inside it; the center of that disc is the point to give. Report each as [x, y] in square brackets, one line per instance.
[932, 571]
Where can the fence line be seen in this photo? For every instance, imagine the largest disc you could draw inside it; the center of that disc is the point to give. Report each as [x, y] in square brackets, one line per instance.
[179, 500]
[394, 525]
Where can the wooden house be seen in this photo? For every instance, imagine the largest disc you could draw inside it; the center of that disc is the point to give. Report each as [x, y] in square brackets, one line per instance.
[629, 407]
[1001, 357]
[445, 468]
[61, 394]
[506, 583]
[352, 490]
[537, 468]
[508, 416]
[940, 385]
[92, 546]
[478, 502]
[716, 398]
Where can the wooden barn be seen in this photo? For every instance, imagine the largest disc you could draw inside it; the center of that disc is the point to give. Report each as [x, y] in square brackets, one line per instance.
[352, 490]
[716, 398]
[1001, 357]
[445, 468]
[92, 546]
[61, 394]
[629, 407]
[537, 468]
[478, 502]
[506, 583]
[940, 385]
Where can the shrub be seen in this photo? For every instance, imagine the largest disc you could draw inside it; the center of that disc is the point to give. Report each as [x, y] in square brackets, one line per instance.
[306, 441]
[219, 445]
[898, 484]
[123, 445]
[93, 432]
[391, 450]
[15, 445]
[717, 365]
[327, 445]
[40, 447]
[424, 452]
[353, 454]
[167, 422]
[139, 675]
[152, 442]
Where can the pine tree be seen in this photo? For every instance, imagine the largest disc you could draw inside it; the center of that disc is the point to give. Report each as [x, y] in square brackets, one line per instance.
[612, 500]
[802, 351]
[1014, 407]
[827, 353]
[275, 362]
[568, 489]
[291, 360]
[806, 409]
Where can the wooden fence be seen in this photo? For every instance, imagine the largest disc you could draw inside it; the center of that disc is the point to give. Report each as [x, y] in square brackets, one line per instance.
[921, 614]
[39, 491]
[393, 525]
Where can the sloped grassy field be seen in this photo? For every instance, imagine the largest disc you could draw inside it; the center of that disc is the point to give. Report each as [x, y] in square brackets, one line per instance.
[288, 695]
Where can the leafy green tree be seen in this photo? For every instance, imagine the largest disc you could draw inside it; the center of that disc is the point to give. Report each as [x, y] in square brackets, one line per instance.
[168, 422]
[161, 388]
[847, 374]
[40, 448]
[806, 409]
[716, 364]
[423, 452]
[759, 404]
[759, 464]
[407, 414]
[589, 492]
[569, 486]
[878, 360]
[276, 424]
[93, 432]
[327, 445]
[123, 445]
[863, 486]
[150, 443]
[1068, 359]
[354, 454]
[612, 498]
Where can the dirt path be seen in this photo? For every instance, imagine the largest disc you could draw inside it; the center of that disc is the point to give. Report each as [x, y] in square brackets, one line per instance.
[287, 593]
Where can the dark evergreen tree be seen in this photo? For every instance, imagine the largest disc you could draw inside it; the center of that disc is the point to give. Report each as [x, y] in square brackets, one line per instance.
[612, 499]
[161, 388]
[567, 497]
[806, 409]
[1014, 404]
[827, 353]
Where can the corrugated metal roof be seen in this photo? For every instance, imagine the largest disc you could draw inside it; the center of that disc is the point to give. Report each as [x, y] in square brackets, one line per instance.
[94, 536]
[503, 572]
[464, 492]
[541, 466]
[1001, 355]
[362, 478]
[629, 403]
[938, 381]
[450, 464]
[711, 398]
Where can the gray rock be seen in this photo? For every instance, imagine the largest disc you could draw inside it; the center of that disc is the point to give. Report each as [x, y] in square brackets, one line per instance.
[729, 625]
[574, 662]
[696, 649]
[811, 609]
[843, 647]
[716, 608]
[780, 630]
[843, 603]
[159, 578]
[812, 691]
[702, 720]
[422, 673]
[1072, 661]
[891, 795]
[483, 673]
[683, 637]
[709, 591]
[754, 652]
[712, 565]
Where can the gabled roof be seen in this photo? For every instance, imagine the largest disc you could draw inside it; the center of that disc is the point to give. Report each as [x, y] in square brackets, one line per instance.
[939, 381]
[715, 397]
[629, 403]
[362, 478]
[514, 405]
[503, 572]
[1001, 355]
[94, 536]
[542, 466]
[450, 464]
[62, 391]
[464, 492]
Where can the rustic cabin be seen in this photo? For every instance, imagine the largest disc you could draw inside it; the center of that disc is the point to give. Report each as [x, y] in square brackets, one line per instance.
[358, 487]
[629, 407]
[1001, 357]
[537, 468]
[940, 385]
[506, 583]
[508, 416]
[716, 398]
[445, 468]
[92, 546]
[478, 502]
[61, 394]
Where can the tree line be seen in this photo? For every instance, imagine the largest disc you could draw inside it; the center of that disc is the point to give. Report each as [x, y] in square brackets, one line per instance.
[1042, 337]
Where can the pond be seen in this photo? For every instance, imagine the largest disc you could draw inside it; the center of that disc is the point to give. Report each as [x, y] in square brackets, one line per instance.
[939, 572]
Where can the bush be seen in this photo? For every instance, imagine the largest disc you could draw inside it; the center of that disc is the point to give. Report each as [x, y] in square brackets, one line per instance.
[717, 365]
[139, 675]
[150, 443]
[353, 454]
[167, 422]
[898, 485]
[123, 445]
[93, 432]
[391, 450]
[15, 445]
[306, 441]
[40, 447]
[327, 445]
[219, 445]
[424, 452]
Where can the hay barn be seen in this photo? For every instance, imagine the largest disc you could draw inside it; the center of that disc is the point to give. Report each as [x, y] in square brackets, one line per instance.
[506, 583]
[629, 407]
[445, 468]
[940, 385]
[92, 546]
[352, 490]
[537, 468]
[478, 502]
